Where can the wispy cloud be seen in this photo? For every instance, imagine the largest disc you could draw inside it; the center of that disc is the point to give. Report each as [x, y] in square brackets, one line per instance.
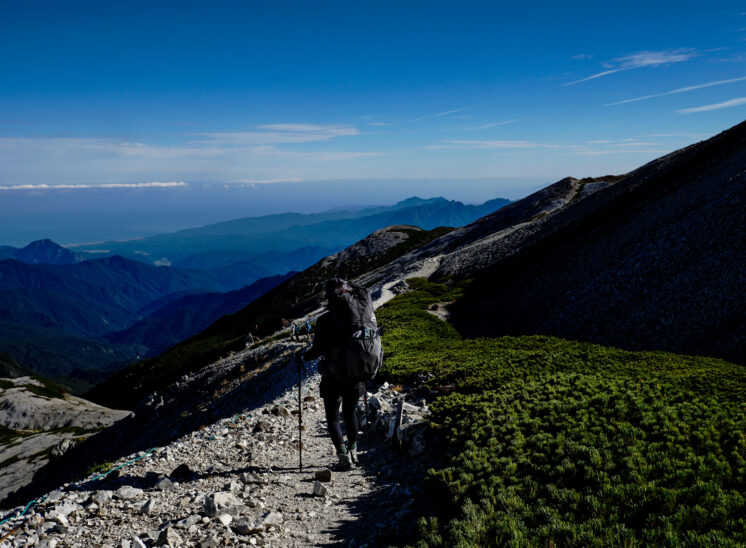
[439, 114]
[496, 124]
[268, 181]
[680, 90]
[715, 106]
[639, 60]
[581, 57]
[589, 148]
[280, 133]
[680, 134]
[470, 143]
[153, 184]
[267, 152]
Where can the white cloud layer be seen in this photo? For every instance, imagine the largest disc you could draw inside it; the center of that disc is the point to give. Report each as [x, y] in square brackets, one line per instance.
[154, 184]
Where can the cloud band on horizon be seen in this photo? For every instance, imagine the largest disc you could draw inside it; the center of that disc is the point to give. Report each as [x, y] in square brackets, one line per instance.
[154, 184]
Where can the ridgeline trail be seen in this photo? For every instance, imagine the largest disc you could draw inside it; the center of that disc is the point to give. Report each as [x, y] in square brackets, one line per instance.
[242, 488]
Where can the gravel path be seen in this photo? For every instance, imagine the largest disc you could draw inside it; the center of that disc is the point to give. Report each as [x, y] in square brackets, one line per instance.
[243, 488]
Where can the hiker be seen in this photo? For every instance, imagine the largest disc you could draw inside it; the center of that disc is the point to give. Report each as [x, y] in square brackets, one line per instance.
[347, 340]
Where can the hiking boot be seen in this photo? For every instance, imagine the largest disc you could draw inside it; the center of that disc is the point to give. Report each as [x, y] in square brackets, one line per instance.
[352, 451]
[345, 461]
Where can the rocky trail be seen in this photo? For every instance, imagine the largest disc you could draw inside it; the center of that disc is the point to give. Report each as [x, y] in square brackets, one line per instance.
[237, 483]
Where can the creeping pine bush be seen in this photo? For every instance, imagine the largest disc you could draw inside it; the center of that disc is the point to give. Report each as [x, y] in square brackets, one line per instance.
[558, 443]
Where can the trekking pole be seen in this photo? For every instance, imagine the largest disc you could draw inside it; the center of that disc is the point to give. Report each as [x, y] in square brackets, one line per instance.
[367, 415]
[299, 361]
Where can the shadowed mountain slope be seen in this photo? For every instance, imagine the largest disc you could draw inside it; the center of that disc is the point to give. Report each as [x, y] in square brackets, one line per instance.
[655, 261]
[89, 298]
[188, 315]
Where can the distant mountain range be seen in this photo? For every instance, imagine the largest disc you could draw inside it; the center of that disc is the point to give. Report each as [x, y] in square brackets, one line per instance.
[42, 252]
[291, 240]
[651, 260]
[77, 315]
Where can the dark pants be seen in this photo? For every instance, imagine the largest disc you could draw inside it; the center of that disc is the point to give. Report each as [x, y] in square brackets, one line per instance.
[336, 391]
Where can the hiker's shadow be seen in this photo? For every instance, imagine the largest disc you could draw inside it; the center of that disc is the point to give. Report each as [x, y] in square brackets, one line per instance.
[381, 513]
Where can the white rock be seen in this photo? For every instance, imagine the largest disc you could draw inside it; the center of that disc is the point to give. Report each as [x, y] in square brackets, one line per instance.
[219, 502]
[272, 519]
[319, 490]
[127, 492]
[67, 508]
[188, 522]
[149, 507]
[169, 536]
[246, 526]
[225, 519]
[102, 498]
[165, 484]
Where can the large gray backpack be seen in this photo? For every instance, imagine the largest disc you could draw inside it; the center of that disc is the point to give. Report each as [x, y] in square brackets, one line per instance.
[358, 354]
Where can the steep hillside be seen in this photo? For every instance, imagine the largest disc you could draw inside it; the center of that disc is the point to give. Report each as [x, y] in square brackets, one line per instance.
[72, 360]
[52, 317]
[89, 298]
[39, 421]
[297, 296]
[655, 261]
[10, 368]
[180, 319]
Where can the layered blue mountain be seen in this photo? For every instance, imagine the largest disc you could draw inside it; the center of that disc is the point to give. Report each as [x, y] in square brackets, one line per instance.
[179, 319]
[253, 247]
[77, 319]
[42, 252]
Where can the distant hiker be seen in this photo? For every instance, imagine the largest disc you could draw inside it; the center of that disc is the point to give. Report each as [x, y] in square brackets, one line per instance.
[347, 339]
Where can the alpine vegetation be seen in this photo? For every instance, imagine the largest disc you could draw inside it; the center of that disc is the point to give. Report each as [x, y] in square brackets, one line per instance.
[546, 441]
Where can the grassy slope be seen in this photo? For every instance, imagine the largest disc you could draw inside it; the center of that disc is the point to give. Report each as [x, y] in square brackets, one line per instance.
[552, 442]
[293, 298]
[11, 368]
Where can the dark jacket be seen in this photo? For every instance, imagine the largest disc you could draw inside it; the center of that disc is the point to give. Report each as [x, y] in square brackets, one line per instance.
[326, 342]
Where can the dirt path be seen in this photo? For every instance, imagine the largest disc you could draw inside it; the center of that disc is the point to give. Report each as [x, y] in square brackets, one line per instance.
[243, 488]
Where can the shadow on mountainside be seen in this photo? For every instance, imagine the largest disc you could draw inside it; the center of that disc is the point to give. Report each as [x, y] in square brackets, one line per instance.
[653, 262]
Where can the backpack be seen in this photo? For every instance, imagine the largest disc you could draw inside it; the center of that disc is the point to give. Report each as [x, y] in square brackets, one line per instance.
[358, 354]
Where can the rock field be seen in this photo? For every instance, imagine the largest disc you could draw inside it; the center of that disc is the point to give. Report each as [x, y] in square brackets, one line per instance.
[237, 483]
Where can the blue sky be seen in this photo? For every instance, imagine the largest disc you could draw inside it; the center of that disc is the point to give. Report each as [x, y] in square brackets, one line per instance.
[256, 93]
